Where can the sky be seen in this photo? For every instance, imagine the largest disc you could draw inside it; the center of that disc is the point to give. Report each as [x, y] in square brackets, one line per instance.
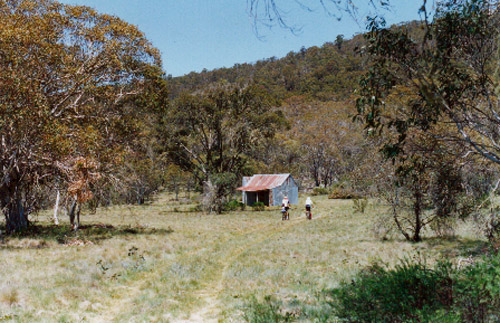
[193, 35]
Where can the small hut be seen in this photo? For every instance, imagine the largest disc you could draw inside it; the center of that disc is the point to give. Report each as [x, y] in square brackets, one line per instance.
[269, 189]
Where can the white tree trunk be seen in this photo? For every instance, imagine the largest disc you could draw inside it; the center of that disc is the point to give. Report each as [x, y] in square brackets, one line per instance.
[56, 207]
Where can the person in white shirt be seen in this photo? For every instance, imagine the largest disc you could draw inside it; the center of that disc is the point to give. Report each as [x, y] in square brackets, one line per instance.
[309, 205]
[285, 202]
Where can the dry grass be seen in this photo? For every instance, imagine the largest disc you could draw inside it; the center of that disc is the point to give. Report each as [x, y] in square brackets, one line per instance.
[159, 263]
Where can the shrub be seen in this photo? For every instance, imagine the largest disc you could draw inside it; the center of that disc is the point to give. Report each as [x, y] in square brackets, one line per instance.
[196, 208]
[477, 291]
[264, 312]
[343, 193]
[259, 206]
[233, 205]
[320, 191]
[359, 205]
[414, 292]
[409, 292]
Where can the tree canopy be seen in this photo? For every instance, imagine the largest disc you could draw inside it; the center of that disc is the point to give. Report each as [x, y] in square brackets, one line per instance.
[443, 76]
[211, 134]
[68, 85]
[430, 95]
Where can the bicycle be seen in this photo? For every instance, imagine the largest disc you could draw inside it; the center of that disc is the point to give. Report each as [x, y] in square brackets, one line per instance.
[285, 215]
[308, 212]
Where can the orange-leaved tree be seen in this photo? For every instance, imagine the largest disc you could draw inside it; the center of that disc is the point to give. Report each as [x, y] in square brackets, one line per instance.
[69, 82]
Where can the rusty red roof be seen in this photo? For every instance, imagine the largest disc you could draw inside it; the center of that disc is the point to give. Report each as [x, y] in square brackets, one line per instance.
[264, 182]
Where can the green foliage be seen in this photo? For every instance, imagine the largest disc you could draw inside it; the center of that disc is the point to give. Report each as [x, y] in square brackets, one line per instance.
[265, 312]
[406, 293]
[441, 77]
[196, 208]
[415, 292]
[477, 291]
[73, 83]
[316, 86]
[211, 134]
[320, 191]
[320, 73]
[259, 206]
[429, 96]
[343, 193]
[432, 189]
[234, 205]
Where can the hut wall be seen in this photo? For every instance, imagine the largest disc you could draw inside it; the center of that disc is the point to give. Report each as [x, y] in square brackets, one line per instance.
[288, 188]
[244, 195]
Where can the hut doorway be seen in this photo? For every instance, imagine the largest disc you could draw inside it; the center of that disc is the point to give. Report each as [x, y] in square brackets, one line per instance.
[263, 196]
[254, 197]
[251, 198]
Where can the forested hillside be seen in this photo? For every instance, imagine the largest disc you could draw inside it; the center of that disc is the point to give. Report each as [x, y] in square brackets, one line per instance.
[320, 73]
[315, 88]
[329, 72]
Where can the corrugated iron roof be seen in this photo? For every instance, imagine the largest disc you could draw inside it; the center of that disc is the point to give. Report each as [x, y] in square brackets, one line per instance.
[262, 182]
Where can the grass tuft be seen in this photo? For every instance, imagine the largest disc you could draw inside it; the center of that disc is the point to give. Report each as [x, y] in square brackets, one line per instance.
[10, 297]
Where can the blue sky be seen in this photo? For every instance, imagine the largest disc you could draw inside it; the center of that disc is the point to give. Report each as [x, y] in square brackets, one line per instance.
[197, 34]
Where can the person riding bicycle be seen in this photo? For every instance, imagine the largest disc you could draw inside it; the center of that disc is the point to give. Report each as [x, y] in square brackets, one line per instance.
[285, 206]
[285, 203]
[283, 213]
[309, 206]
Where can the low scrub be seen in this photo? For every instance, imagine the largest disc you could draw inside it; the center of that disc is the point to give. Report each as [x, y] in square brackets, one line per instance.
[259, 206]
[412, 291]
[320, 191]
[359, 205]
[233, 205]
[269, 310]
[415, 292]
[344, 193]
[272, 309]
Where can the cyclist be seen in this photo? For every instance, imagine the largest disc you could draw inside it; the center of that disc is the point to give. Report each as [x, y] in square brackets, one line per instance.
[285, 206]
[309, 205]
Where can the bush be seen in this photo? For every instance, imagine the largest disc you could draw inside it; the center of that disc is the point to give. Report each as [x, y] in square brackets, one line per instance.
[320, 191]
[359, 205]
[344, 193]
[414, 292]
[264, 312]
[259, 206]
[410, 292]
[477, 291]
[233, 205]
[196, 208]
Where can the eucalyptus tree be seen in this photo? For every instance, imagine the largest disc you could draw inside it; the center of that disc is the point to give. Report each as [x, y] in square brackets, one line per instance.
[435, 87]
[447, 71]
[211, 134]
[69, 80]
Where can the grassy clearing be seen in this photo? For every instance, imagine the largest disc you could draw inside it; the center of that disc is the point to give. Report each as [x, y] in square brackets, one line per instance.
[159, 262]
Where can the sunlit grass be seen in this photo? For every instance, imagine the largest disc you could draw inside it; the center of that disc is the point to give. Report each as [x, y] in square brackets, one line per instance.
[159, 262]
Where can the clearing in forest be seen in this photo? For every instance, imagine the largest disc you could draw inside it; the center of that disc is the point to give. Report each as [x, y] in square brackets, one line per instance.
[165, 262]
